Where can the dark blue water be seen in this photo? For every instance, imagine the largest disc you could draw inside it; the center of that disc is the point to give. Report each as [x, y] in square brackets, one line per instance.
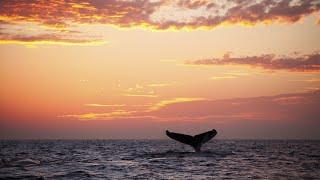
[159, 159]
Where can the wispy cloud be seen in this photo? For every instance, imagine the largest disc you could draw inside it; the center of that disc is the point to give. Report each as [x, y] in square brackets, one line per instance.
[159, 84]
[56, 20]
[164, 103]
[269, 108]
[48, 38]
[142, 90]
[104, 105]
[231, 75]
[278, 108]
[237, 73]
[141, 95]
[297, 63]
[100, 116]
[289, 100]
[311, 89]
[35, 33]
[222, 77]
[131, 114]
[309, 80]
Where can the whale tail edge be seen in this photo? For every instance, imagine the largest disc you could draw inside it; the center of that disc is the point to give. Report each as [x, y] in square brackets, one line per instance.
[195, 141]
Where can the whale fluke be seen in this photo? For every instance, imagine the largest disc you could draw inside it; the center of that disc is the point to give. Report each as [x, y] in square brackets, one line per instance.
[195, 141]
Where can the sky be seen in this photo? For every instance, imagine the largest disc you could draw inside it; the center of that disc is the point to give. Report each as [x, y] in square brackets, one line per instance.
[130, 69]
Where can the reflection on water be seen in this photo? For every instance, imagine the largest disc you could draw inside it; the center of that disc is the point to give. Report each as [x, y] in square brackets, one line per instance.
[161, 159]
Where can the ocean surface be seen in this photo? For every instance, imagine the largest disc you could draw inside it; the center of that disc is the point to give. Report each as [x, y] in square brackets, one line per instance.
[159, 159]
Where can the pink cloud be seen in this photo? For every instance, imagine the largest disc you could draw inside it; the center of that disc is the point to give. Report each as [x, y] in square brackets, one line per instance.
[281, 116]
[302, 63]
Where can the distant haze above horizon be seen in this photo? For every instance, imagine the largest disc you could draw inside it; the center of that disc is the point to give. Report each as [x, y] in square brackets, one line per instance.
[129, 69]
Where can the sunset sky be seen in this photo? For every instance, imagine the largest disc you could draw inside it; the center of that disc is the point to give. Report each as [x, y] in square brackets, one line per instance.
[134, 68]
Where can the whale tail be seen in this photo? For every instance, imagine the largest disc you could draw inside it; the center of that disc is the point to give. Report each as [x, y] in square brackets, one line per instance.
[195, 141]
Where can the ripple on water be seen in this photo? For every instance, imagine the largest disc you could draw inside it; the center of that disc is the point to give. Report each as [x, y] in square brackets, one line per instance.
[159, 159]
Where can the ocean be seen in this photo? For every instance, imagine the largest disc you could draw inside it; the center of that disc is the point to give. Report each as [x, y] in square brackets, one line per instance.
[159, 159]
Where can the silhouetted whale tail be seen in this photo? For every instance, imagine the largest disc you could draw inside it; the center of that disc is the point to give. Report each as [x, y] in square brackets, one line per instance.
[195, 141]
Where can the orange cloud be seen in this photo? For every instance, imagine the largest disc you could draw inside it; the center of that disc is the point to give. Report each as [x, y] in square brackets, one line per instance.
[282, 108]
[97, 116]
[140, 91]
[165, 103]
[309, 80]
[289, 100]
[141, 95]
[222, 77]
[54, 16]
[49, 38]
[302, 63]
[159, 85]
[267, 108]
[104, 105]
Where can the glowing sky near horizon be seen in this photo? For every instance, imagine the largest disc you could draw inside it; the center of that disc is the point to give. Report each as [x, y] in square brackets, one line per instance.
[131, 69]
